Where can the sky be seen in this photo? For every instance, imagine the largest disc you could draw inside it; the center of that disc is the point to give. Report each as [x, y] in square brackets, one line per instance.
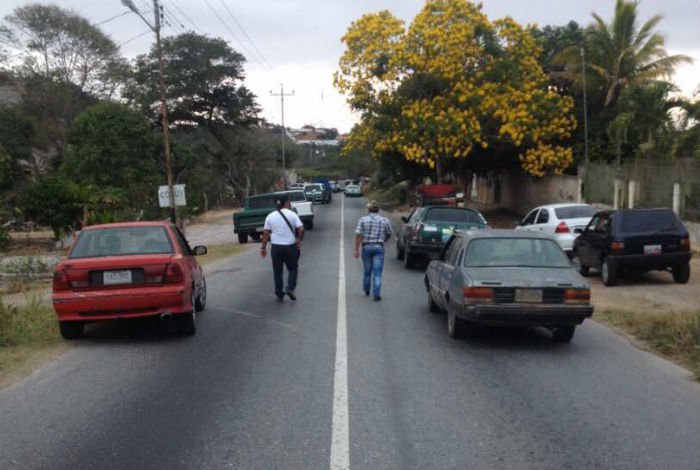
[297, 42]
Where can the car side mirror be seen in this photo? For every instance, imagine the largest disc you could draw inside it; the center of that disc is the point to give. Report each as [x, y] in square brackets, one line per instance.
[199, 250]
[404, 219]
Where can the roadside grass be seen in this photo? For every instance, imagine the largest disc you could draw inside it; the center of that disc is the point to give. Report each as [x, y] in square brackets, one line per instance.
[675, 335]
[28, 335]
[219, 252]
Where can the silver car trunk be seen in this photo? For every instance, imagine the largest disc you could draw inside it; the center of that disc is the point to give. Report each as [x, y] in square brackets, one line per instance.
[524, 277]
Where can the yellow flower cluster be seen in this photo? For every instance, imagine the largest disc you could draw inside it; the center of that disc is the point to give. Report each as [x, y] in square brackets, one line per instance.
[546, 158]
[465, 97]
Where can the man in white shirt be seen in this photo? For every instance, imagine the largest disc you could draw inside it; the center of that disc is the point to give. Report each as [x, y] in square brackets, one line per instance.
[285, 231]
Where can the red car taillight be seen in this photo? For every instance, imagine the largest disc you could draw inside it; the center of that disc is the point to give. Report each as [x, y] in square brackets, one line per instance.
[562, 228]
[685, 244]
[60, 281]
[415, 233]
[476, 295]
[617, 247]
[173, 274]
[577, 296]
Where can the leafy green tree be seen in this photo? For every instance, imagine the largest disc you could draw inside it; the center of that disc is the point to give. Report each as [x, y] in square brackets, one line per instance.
[623, 53]
[687, 143]
[58, 44]
[110, 146]
[54, 202]
[203, 80]
[16, 134]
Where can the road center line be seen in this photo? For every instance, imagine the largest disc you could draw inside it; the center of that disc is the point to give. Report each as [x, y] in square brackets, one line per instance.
[340, 438]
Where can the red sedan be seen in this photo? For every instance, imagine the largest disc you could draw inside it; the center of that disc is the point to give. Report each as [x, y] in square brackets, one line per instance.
[129, 270]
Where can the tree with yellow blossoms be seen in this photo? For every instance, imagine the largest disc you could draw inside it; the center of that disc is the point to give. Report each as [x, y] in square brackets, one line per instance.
[451, 85]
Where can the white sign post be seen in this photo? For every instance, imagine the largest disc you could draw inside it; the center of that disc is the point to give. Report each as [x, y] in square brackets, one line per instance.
[164, 195]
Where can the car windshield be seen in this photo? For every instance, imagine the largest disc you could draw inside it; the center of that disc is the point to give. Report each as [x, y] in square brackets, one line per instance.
[453, 214]
[574, 212]
[649, 221]
[515, 252]
[261, 202]
[295, 196]
[122, 241]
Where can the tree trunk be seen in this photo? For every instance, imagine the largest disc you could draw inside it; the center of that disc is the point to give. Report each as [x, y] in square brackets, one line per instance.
[438, 170]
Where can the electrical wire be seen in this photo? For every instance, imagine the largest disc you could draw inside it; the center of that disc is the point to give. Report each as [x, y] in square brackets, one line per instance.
[247, 36]
[113, 18]
[231, 32]
[184, 15]
[134, 38]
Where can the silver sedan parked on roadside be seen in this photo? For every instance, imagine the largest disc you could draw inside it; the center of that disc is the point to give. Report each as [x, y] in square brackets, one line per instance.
[506, 277]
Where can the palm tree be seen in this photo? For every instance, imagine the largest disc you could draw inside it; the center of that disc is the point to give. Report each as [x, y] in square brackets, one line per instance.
[688, 140]
[623, 53]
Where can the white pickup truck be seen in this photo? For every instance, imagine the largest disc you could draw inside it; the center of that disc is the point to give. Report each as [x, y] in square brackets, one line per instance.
[300, 205]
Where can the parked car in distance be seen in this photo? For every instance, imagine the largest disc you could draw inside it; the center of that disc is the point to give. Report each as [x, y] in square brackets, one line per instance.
[250, 221]
[327, 190]
[424, 233]
[353, 190]
[314, 192]
[507, 278]
[300, 205]
[560, 221]
[128, 270]
[634, 240]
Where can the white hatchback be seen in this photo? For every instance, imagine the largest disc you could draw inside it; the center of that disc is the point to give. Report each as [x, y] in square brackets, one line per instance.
[560, 221]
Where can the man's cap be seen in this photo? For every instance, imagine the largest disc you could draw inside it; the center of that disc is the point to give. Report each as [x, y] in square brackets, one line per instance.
[372, 205]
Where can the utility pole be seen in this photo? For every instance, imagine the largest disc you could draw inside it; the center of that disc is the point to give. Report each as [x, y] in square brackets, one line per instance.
[586, 175]
[282, 94]
[158, 13]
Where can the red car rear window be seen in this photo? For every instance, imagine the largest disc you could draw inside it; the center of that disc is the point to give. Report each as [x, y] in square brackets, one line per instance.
[122, 241]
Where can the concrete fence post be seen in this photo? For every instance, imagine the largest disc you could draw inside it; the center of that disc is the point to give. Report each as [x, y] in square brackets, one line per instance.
[579, 192]
[631, 193]
[617, 188]
[677, 198]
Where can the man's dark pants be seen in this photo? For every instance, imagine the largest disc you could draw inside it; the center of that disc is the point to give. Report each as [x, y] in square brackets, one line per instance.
[285, 255]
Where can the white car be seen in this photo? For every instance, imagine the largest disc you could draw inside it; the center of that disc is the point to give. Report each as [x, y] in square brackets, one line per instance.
[302, 206]
[559, 221]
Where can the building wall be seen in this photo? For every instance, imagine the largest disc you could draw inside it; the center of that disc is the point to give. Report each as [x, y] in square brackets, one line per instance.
[521, 193]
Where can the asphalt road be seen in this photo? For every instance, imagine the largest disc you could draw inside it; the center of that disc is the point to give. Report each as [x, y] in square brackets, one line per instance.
[260, 386]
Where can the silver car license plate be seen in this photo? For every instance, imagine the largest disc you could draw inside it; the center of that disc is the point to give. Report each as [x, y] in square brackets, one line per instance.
[652, 249]
[110, 278]
[529, 296]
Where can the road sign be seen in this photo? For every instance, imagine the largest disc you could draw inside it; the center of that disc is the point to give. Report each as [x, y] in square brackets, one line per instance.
[164, 195]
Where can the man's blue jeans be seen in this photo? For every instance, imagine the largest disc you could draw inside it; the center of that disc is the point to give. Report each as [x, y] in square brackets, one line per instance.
[373, 262]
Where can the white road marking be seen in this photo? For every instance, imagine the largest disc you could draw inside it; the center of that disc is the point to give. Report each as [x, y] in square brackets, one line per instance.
[340, 438]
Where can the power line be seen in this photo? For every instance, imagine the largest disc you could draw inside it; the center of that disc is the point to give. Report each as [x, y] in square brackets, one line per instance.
[245, 33]
[113, 18]
[231, 32]
[183, 14]
[134, 38]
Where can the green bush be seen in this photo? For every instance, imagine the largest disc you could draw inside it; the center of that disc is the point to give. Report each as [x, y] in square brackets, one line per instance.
[53, 202]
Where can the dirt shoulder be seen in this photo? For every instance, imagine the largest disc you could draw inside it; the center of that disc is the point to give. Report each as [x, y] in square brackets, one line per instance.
[650, 291]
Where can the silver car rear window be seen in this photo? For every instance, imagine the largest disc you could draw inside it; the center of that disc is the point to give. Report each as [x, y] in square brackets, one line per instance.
[515, 252]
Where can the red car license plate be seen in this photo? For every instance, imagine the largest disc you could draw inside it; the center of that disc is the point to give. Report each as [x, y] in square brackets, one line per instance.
[110, 278]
